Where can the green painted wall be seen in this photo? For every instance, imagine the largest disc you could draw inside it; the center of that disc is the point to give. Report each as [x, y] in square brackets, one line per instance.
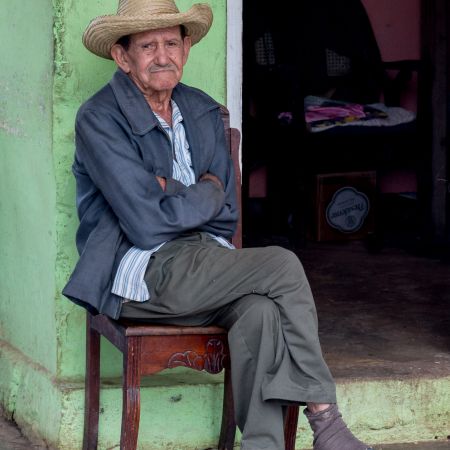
[28, 346]
[27, 186]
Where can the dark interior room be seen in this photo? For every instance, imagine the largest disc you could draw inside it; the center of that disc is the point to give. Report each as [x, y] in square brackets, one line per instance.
[345, 163]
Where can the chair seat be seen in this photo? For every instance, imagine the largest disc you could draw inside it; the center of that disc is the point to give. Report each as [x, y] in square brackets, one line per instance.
[168, 346]
[102, 323]
[137, 329]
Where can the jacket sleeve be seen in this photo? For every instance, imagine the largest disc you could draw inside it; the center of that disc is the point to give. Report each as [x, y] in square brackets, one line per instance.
[224, 223]
[146, 214]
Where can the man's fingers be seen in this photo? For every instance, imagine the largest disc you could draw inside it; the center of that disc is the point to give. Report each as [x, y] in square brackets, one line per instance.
[162, 182]
[213, 178]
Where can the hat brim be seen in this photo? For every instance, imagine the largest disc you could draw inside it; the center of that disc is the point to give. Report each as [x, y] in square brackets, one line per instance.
[104, 31]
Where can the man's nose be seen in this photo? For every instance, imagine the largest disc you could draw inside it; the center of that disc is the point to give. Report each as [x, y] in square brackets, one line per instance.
[161, 54]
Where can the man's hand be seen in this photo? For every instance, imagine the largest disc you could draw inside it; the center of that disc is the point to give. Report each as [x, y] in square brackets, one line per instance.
[162, 182]
[205, 177]
[210, 177]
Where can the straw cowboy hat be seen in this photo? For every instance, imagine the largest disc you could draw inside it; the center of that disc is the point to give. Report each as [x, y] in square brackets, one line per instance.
[135, 16]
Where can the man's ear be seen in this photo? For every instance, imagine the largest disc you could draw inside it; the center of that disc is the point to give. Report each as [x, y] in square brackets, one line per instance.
[119, 55]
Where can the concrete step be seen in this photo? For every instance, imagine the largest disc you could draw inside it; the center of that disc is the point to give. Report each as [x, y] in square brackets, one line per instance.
[12, 439]
[378, 411]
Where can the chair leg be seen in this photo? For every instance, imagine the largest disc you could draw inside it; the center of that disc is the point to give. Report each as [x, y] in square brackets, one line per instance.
[290, 426]
[131, 394]
[92, 386]
[228, 429]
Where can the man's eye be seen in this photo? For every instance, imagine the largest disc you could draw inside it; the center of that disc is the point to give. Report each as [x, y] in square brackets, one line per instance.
[149, 46]
[172, 44]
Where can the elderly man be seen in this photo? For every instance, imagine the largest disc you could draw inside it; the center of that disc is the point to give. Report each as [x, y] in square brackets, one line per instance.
[156, 202]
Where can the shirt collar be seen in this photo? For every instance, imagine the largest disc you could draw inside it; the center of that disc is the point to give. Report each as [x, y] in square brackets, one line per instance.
[176, 116]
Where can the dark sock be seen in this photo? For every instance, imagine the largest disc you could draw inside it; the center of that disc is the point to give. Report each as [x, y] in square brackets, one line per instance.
[331, 432]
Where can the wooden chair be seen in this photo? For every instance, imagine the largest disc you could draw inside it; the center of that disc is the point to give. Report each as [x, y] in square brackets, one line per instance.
[148, 349]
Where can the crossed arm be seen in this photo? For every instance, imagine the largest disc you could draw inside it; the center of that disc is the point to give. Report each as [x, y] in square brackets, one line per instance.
[149, 209]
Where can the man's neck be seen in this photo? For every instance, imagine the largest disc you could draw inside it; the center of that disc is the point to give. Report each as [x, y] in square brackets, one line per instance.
[159, 101]
[161, 104]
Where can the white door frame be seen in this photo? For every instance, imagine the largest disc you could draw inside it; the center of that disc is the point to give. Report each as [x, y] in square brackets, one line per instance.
[234, 62]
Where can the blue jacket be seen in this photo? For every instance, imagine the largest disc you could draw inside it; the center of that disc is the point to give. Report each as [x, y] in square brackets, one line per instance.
[120, 149]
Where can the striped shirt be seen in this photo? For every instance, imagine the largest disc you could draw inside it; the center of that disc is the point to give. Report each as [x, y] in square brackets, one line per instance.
[129, 280]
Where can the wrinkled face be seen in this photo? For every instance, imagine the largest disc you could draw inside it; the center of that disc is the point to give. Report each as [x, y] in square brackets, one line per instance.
[154, 59]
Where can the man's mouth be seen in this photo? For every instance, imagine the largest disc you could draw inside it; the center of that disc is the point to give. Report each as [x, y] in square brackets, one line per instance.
[154, 69]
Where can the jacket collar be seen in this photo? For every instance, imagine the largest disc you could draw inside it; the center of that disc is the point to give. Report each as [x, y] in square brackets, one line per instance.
[139, 114]
[132, 103]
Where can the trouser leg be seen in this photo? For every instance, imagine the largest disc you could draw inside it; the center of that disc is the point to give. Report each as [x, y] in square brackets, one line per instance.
[256, 347]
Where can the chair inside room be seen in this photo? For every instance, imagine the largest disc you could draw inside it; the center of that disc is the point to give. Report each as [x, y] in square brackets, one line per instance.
[148, 349]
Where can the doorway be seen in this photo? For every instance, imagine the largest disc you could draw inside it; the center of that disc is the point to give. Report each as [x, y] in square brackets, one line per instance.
[334, 56]
[383, 309]
[382, 297]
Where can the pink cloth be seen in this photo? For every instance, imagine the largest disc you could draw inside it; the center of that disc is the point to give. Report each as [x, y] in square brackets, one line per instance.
[316, 113]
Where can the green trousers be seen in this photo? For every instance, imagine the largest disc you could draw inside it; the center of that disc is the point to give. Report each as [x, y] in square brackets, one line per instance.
[262, 296]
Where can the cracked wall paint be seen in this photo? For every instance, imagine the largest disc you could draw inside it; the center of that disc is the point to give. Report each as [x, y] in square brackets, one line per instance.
[28, 394]
[12, 130]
